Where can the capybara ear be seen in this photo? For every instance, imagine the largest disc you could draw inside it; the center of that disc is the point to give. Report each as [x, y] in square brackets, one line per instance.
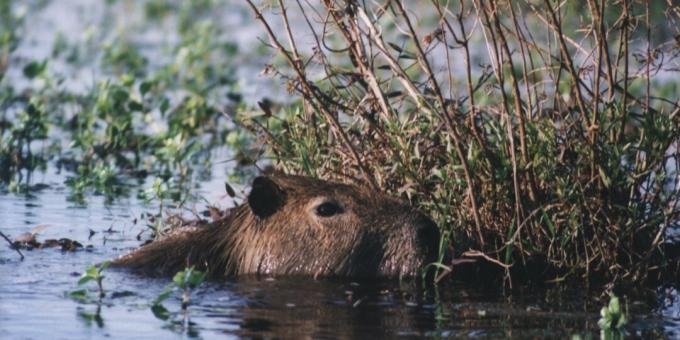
[265, 197]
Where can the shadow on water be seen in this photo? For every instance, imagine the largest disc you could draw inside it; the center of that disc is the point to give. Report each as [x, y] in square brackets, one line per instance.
[386, 310]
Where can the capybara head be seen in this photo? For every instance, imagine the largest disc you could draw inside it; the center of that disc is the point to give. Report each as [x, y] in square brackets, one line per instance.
[301, 225]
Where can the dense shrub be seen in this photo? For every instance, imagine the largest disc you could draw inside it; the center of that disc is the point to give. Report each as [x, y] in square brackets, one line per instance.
[538, 134]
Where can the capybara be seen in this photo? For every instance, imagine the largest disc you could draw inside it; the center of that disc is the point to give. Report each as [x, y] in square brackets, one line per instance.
[294, 225]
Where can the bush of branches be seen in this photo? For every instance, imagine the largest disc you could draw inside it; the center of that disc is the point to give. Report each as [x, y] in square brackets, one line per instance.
[539, 134]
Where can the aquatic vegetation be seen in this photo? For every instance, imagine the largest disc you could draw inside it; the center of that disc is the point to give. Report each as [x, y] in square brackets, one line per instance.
[158, 191]
[92, 273]
[148, 115]
[541, 137]
[612, 315]
[17, 158]
[186, 281]
[612, 319]
[10, 31]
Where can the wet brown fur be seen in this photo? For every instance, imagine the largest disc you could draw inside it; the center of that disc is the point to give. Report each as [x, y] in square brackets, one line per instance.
[279, 231]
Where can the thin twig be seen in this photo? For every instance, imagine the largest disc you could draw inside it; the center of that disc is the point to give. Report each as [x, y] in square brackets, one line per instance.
[11, 245]
[329, 116]
[447, 119]
[567, 56]
[477, 253]
[498, 64]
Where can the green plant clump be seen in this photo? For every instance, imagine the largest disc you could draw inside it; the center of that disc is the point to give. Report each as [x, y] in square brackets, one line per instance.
[92, 273]
[549, 154]
[186, 281]
[612, 319]
[153, 112]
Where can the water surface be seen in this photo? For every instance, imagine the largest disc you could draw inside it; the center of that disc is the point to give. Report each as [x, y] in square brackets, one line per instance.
[33, 304]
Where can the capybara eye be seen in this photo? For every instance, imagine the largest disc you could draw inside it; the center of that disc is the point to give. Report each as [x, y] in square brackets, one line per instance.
[328, 209]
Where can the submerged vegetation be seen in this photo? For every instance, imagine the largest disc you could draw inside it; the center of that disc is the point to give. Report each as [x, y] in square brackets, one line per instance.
[542, 136]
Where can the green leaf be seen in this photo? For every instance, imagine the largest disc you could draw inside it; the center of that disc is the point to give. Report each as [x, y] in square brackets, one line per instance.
[163, 295]
[605, 179]
[91, 271]
[85, 279]
[165, 105]
[196, 278]
[396, 47]
[622, 321]
[614, 305]
[160, 312]
[144, 87]
[78, 294]
[612, 316]
[230, 190]
[180, 278]
[120, 95]
[548, 221]
[605, 321]
[34, 68]
[135, 106]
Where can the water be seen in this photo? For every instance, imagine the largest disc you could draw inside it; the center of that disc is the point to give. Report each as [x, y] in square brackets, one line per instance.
[34, 305]
[34, 301]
